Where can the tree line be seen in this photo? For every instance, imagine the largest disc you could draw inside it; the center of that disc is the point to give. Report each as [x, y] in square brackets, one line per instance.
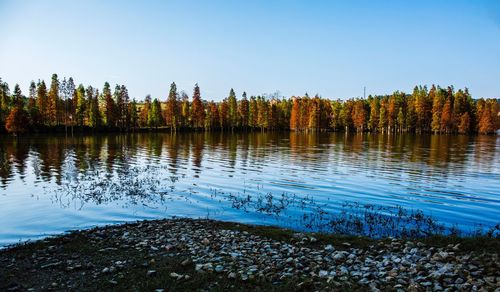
[63, 104]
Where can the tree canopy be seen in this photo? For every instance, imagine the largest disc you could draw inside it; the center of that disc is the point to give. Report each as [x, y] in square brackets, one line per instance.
[436, 110]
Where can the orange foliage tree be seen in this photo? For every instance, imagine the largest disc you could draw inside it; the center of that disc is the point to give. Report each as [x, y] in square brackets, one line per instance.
[17, 121]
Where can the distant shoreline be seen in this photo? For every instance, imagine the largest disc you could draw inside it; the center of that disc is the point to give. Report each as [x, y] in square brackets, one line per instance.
[164, 129]
[84, 130]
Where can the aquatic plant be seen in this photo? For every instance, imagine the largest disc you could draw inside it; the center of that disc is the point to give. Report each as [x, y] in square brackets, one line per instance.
[146, 185]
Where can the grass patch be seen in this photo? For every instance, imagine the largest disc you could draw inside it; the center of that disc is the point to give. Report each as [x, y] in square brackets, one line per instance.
[339, 241]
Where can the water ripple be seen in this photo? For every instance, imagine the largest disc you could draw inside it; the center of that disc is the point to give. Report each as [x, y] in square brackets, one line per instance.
[50, 184]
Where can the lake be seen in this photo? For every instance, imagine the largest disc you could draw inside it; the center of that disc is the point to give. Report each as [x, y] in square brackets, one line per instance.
[50, 184]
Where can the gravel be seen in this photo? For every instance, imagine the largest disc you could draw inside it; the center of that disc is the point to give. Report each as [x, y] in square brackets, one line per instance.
[392, 264]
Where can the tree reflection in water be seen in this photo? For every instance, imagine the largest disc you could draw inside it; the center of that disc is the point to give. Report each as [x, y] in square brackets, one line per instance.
[146, 168]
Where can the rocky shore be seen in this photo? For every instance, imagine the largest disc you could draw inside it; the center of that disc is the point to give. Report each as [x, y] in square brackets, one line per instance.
[186, 254]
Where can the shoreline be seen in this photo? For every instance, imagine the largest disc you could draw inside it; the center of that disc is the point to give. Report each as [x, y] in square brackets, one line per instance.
[194, 254]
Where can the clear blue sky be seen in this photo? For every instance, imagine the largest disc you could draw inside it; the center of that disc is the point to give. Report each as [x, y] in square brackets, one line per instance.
[333, 48]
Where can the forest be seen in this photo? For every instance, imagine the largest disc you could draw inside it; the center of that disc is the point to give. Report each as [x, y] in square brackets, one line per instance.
[63, 105]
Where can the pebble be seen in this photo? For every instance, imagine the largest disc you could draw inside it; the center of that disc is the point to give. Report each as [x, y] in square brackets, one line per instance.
[323, 273]
[329, 248]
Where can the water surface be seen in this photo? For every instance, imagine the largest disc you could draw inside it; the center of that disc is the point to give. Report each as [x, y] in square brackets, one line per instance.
[50, 184]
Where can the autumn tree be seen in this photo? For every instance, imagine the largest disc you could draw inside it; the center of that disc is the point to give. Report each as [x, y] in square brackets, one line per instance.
[53, 100]
[133, 114]
[464, 124]
[285, 109]
[272, 114]
[422, 108]
[4, 101]
[400, 121]
[185, 115]
[223, 114]
[145, 110]
[212, 119]
[32, 93]
[124, 116]
[81, 105]
[119, 106]
[383, 116]
[359, 115]
[303, 114]
[346, 115]
[446, 116]
[335, 119]
[262, 113]
[374, 113]
[488, 112]
[17, 121]
[121, 98]
[32, 107]
[395, 102]
[325, 113]
[172, 108]
[411, 114]
[17, 97]
[197, 109]
[109, 106]
[243, 108]
[232, 116]
[94, 115]
[67, 91]
[462, 104]
[252, 112]
[62, 107]
[155, 118]
[294, 117]
[313, 109]
[41, 101]
[437, 109]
